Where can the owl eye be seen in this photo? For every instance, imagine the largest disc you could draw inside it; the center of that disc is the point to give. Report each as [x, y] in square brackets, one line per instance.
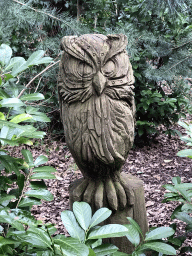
[109, 68]
[84, 70]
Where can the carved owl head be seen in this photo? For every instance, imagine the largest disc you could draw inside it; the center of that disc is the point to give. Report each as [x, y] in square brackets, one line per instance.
[94, 63]
[97, 103]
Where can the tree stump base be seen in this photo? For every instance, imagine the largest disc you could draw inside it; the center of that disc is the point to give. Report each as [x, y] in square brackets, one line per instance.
[136, 211]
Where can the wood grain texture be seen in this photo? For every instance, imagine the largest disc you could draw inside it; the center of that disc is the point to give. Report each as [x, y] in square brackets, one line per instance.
[95, 88]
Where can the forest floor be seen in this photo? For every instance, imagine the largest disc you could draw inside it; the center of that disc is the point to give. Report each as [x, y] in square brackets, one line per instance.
[155, 165]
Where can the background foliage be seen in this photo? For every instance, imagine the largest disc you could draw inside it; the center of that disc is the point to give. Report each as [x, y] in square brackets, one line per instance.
[159, 35]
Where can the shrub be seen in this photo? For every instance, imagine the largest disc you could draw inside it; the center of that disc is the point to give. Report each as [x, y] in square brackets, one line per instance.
[182, 193]
[21, 184]
[86, 236]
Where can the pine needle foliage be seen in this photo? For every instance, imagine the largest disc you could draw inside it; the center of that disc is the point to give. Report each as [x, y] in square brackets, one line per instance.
[35, 24]
[32, 25]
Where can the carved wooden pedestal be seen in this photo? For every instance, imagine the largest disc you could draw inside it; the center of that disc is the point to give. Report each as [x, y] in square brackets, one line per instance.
[137, 211]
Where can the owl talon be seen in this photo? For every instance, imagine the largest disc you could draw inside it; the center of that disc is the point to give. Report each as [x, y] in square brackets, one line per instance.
[88, 194]
[111, 194]
[121, 195]
[117, 190]
[127, 186]
[79, 190]
[99, 195]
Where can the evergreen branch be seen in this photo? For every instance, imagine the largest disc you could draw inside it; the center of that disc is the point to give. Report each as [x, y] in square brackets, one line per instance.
[180, 61]
[48, 67]
[182, 45]
[50, 15]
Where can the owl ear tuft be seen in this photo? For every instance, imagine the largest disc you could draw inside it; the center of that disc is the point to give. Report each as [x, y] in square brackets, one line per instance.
[119, 37]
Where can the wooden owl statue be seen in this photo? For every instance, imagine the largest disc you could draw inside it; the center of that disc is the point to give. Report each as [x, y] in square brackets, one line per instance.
[95, 88]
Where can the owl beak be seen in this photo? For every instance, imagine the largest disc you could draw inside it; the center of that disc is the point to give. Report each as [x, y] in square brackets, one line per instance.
[99, 82]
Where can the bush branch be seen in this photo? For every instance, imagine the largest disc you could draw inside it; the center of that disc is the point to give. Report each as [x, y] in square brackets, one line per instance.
[48, 67]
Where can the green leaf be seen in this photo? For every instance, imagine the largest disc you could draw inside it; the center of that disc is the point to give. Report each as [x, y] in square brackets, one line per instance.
[33, 97]
[183, 186]
[20, 67]
[186, 249]
[6, 133]
[40, 194]
[171, 194]
[91, 252]
[6, 198]
[82, 213]
[23, 130]
[5, 54]
[15, 62]
[3, 94]
[36, 58]
[41, 117]
[38, 184]
[175, 241]
[43, 252]
[51, 228]
[93, 244]
[169, 187]
[107, 231]
[177, 209]
[189, 228]
[21, 118]
[9, 217]
[176, 180]
[99, 216]
[187, 208]
[35, 135]
[27, 155]
[4, 241]
[42, 175]
[29, 202]
[10, 164]
[71, 246]
[0, 81]
[11, 102]
[121, 254]
[105, 249]
[134, 223]
[132, 234]
[185, 153]
[183, 124]
[184, 217]
[159, 233]
[7, 77]
[10, 142]
[44, 169]
[37, 237]
[24, 217]
[40, 160]
[2, 116]
[73, 228]
[159, 247]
